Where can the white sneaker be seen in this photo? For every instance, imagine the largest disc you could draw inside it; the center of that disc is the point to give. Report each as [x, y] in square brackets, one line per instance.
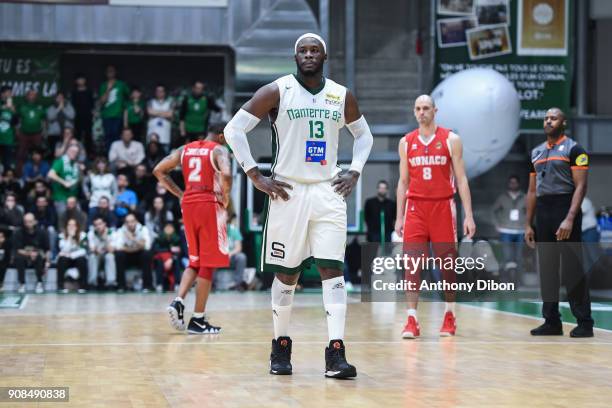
[349, 286]
[64, 291]
[82, 291]
[39, 288]
[159, 289]
[21, 289]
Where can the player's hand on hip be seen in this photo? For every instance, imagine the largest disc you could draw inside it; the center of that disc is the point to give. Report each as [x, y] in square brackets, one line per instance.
[469, 227]
[565, 230]
[399, 227]
[273, 188]
[530, 237]
[344, 182]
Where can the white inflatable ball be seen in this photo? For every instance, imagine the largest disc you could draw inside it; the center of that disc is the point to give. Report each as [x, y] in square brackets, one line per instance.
[483, 108]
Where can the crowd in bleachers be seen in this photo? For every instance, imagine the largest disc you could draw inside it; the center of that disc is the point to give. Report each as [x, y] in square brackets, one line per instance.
[85, 201]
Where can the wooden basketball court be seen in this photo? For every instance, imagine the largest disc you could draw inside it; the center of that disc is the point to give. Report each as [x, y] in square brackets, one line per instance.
[119, 351]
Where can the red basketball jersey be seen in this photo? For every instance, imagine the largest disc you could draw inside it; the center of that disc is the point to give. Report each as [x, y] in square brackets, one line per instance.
[429, 166]
[199, 172]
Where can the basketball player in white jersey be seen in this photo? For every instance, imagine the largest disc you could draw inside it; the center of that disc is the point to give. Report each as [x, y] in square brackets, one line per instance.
[306, 211]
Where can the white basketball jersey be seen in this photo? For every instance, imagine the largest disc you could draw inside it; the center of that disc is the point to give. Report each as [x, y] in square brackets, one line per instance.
[305, 132]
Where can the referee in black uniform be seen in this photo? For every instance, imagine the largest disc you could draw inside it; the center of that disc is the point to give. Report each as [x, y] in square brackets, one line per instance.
[557, 185]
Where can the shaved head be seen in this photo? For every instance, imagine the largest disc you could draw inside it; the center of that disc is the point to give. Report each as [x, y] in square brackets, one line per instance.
[425, 99]
[557, 112]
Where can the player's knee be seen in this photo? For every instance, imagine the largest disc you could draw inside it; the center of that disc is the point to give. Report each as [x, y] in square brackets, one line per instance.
[288, 279]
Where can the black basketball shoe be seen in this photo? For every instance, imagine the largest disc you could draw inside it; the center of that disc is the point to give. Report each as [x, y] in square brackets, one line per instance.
[335, 361]
[280, 358]
[175, 313]
[201, 326]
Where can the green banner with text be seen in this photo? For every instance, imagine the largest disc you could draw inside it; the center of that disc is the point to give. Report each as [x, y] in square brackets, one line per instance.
[23, 70]
[528, 41]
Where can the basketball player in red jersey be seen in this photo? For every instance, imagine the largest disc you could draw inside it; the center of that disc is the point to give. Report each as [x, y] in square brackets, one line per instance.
[431, 161]
[208, 182]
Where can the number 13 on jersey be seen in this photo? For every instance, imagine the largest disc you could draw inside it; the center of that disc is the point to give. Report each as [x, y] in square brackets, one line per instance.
[316, 129]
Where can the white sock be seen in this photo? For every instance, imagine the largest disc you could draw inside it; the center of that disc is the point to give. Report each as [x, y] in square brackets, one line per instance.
[449, 307]
[334, 300]
[198, 315]
[282, 301]
[179, 299]
[412, 312]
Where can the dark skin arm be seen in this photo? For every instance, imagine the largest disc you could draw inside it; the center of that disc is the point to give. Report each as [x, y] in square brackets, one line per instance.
[265, 102]
[530, 204]
[580, 181]
[345, 182]
[163, 169]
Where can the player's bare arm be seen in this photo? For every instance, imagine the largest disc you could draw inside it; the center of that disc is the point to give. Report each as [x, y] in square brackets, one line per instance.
[530, 203]
[345, 182]
[263, 103]
[222, 160]
[469, 227]
[580, 181]
[402, 187]
[164, 168]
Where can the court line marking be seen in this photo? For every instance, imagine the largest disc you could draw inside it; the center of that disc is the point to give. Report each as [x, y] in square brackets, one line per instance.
[524, 315]
[233, 343]
[23, 302]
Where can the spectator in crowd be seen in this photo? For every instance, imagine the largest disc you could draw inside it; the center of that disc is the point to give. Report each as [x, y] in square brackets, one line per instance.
[5, 256]
[161, 112]
[126, 152]
[113, 94]
[195, 112]
[157, 216]
[103, 210]
[374, 207]
[590, 235]
[36, 168]
[170, 201]
[83, 100]
[143, 184]
[72, 254]
[40, 189]
[32, 123]
[101, 253]
[68, 139]
[10, 183]
[133, 247]
[73, 210]
[126, 199]
[46, 219]
[509, 213]
[65, 175]
[31, 248]
[8, 120]
[11, 214]
[60, 115]
[100, 182]
[238, 259]
[154, 153]
[167, 258]
[134, 115]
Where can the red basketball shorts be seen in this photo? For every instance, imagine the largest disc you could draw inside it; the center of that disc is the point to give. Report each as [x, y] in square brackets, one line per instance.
[435, 222]
[205, 226]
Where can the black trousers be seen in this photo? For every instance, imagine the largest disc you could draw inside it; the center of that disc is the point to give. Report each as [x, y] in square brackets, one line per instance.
[22, 262]
[140, 259]
[64, 263]
[4, 263]
[561, 261]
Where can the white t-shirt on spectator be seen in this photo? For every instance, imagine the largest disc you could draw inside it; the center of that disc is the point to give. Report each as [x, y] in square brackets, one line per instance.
[133, 154]
[160, 126]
